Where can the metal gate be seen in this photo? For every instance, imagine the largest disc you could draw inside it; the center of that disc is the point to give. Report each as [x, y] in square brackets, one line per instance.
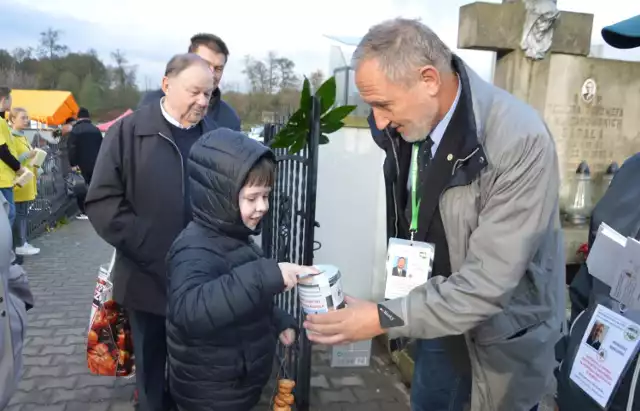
[288, 235]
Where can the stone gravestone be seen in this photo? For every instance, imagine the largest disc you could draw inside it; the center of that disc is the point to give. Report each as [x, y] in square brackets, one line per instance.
[590, 105]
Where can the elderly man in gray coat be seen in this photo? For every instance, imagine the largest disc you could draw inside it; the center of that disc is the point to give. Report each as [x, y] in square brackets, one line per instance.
[474, 171]
[15, 300]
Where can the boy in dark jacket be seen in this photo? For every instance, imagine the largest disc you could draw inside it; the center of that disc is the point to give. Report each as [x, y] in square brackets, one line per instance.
[222, 325]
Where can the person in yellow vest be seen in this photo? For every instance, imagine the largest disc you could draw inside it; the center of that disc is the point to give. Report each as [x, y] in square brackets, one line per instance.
[23, 196]
[10, 167]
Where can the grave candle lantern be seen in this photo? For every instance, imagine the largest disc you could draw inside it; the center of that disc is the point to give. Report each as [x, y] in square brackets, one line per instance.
[580, 201]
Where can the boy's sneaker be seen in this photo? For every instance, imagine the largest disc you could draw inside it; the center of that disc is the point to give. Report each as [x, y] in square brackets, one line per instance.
[82, 217]
[27, 249]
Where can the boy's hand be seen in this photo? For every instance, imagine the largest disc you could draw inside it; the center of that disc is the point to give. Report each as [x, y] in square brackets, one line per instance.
[287, 337]
[290, 273]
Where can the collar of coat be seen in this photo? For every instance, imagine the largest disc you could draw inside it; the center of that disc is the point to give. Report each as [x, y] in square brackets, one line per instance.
[150, 121]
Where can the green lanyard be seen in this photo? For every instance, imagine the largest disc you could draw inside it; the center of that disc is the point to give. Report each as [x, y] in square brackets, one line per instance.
[415, 202]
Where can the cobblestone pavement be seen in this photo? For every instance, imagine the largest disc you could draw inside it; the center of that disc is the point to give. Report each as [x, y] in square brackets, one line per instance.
[56, 378]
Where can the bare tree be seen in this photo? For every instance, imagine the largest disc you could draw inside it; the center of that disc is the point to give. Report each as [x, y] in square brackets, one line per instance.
[272, 75]
[316, 79]
[50, 46]
[21, 54]
[257, 73]
[273, 69]
[287, 77]
[17, 79]
[124, 74]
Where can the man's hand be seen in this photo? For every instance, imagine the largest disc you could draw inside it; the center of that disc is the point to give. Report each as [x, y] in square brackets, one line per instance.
[356, 322]
[20, 172]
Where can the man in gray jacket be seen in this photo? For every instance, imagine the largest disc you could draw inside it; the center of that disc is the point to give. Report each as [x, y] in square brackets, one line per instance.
[483, 188]
[15, 300]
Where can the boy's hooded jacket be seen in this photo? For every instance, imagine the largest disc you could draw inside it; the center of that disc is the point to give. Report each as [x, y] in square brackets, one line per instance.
[222, 324]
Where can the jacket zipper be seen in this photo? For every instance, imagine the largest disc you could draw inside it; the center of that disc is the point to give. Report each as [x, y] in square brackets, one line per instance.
[393, 184]
[181, 160]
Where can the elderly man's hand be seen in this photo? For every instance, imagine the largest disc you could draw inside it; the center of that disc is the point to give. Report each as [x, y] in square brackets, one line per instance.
[356, 322]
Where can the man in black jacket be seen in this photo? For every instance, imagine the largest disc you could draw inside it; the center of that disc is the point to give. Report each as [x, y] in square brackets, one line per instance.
[139, 202]
[83, 146]
[212, 49]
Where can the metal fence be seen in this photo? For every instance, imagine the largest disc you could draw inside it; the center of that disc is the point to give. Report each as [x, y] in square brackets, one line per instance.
[288, 235]
[52, 202]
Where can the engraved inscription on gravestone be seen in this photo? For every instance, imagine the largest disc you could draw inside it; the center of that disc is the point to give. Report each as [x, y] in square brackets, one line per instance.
[587, 130]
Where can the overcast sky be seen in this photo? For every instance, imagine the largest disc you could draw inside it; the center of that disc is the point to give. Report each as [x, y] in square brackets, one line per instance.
[150, 34]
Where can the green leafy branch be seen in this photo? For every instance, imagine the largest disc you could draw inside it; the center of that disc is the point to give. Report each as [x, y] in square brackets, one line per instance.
[295, 134]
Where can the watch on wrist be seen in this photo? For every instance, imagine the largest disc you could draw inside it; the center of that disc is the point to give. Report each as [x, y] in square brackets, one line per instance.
[388, 319]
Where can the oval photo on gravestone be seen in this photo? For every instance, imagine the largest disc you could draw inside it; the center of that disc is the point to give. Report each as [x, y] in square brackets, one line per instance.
[588, 92]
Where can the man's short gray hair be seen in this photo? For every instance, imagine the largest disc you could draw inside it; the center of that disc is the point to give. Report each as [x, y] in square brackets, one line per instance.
[402, 45]
[181, 62]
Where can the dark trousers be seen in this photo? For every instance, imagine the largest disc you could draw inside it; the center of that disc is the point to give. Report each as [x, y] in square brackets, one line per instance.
[150, 349]
[437, 384]
[20, 224]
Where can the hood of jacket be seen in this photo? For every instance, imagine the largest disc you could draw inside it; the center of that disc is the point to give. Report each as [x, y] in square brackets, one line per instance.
[218, 165]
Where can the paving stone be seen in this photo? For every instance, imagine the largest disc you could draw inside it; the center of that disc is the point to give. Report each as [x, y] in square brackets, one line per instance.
[369, 406]
[94, 381]
[333, 396]
[79, 369]
[47, 371]
[68, 359]
[319, 381]
[58, 349]
[347, 381]
[75, 340]
[70, 331]
[85, 406]
[66, 382]
[39, 332]
[121, 407]
[37, 360]
[30, 407]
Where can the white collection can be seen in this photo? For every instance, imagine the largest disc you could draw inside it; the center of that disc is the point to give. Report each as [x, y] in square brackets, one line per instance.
[321, 293]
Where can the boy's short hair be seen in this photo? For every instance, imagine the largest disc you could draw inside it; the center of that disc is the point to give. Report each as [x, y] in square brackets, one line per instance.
[262, 174]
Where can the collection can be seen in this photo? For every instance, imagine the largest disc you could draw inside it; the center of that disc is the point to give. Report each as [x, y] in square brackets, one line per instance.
[322, 292]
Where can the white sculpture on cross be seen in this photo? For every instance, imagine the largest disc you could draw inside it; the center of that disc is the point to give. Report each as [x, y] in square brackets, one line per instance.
[537, 33]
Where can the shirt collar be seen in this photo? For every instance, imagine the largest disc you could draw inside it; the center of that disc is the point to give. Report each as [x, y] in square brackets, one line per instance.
[170, 118]
[438, 132]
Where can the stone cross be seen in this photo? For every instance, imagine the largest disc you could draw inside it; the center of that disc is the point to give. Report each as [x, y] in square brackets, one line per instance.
[498, 27]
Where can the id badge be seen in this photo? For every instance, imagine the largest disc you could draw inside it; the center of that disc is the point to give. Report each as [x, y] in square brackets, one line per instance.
[409, 264]
[608, 346]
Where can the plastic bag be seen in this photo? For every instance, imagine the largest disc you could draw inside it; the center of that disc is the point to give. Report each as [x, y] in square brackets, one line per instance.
[75, 185]
[109, 340]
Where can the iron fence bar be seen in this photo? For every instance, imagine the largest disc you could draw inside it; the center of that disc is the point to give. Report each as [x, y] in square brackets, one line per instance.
[52, 201]
[288, 235]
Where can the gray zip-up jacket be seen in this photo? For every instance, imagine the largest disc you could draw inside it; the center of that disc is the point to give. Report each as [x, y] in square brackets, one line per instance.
[501, 218]
[15, 299]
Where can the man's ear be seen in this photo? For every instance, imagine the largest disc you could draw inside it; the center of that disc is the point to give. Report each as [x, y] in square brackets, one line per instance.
[165, 84]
